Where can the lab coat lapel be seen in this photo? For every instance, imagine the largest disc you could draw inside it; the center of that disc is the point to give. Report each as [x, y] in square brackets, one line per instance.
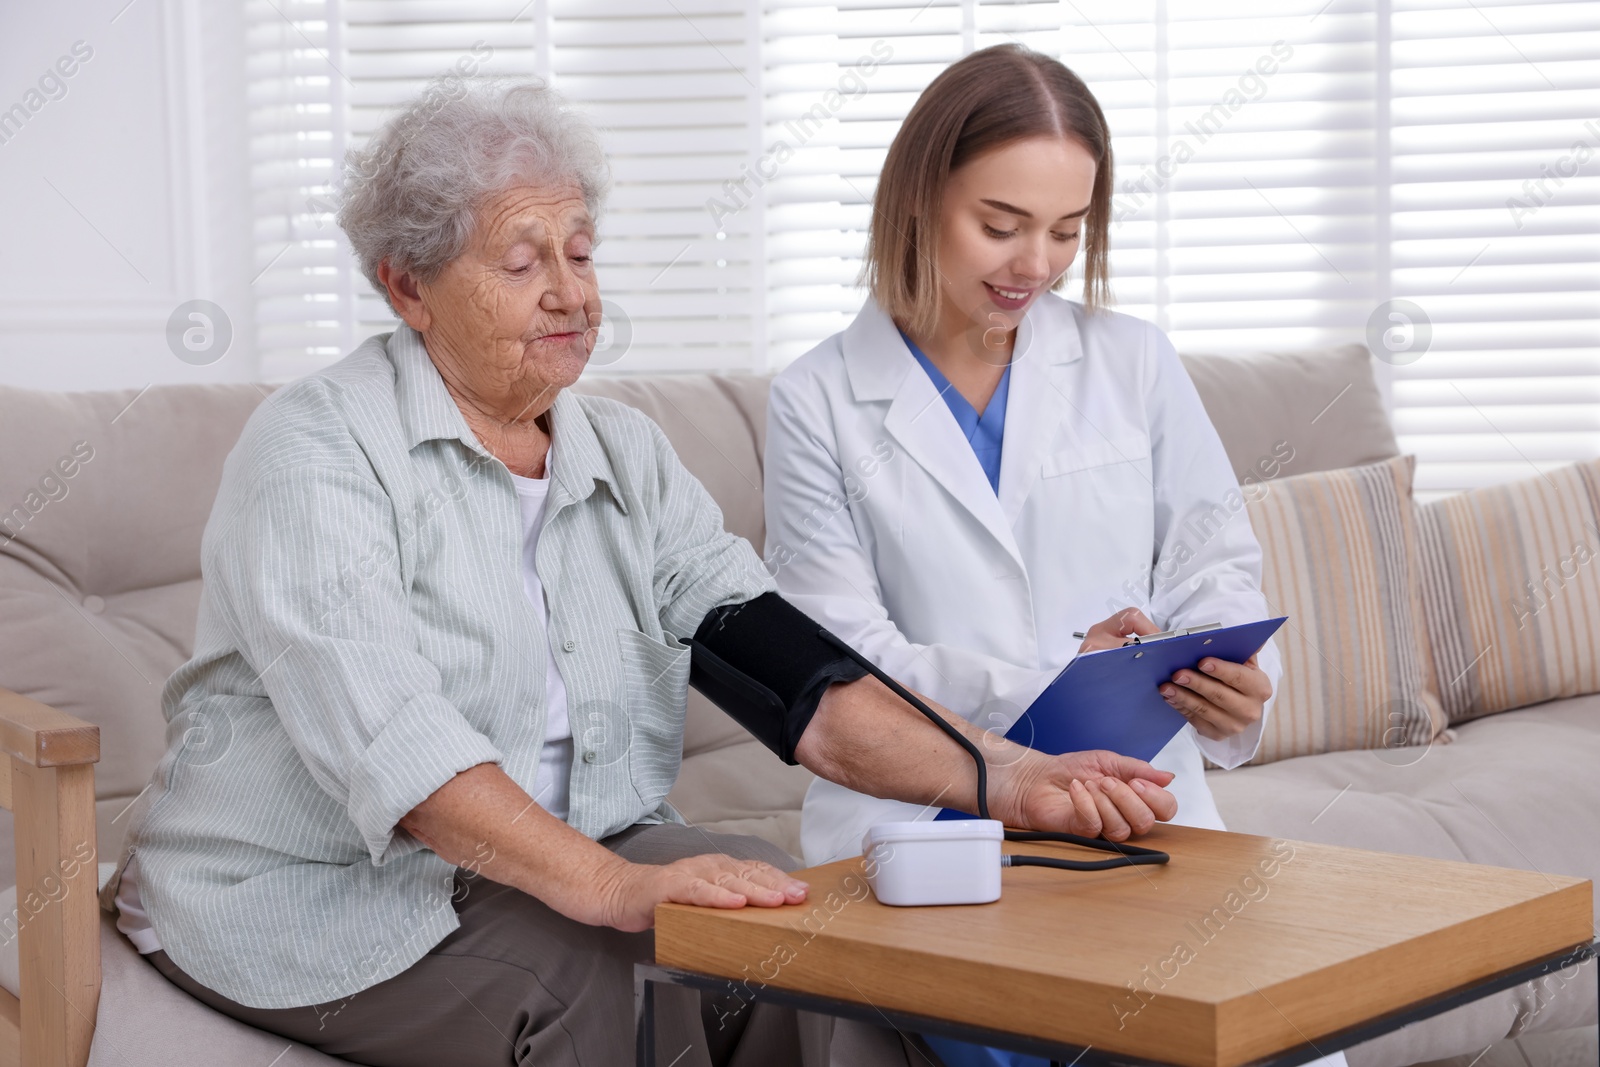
[1039, 403]
[881, 367]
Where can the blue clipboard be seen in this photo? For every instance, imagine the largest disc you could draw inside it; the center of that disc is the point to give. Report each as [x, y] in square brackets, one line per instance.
[1112, 699]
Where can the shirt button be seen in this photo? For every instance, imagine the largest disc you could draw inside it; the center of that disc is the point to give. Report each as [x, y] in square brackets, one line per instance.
[569, 645]
[589, 756]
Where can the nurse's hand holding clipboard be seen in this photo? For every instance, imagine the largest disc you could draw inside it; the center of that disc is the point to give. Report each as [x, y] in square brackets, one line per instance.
[1221, 699]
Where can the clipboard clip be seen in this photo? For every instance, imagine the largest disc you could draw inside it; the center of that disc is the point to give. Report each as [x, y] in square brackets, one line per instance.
[1145, 639]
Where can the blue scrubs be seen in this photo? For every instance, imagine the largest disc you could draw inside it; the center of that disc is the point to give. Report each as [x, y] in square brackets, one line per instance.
[986, 434]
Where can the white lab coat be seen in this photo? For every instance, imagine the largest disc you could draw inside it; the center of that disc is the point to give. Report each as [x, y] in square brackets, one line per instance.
[1114, 491]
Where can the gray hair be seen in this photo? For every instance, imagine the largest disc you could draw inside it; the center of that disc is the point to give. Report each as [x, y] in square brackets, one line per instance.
[411, 195]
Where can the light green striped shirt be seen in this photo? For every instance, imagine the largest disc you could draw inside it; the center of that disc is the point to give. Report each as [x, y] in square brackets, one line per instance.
[363, 636]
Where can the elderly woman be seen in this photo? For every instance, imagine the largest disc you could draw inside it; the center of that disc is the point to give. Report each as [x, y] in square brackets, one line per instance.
[444, 621]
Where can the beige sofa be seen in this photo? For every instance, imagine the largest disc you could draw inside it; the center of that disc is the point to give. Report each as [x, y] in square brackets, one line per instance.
[99, 583]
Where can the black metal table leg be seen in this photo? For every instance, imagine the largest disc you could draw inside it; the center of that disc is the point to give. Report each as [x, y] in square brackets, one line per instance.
[644, 1019]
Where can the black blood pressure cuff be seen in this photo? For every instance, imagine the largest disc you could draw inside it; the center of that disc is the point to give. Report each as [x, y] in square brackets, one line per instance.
[766, 665]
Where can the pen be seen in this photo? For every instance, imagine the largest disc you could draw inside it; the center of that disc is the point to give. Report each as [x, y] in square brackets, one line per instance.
[1136, 639]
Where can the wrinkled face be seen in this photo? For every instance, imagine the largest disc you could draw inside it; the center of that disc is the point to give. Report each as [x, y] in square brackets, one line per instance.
[1010, 225]
[511, 321]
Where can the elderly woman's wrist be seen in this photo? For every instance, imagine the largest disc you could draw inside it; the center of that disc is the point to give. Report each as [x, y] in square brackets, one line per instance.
[1014, 772]
[590, 890]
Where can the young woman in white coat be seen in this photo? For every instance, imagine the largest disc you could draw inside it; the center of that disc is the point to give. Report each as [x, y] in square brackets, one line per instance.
[976, 468]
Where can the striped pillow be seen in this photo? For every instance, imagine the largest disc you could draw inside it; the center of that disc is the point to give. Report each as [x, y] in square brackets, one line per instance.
[1340, 559]
[1511, 591]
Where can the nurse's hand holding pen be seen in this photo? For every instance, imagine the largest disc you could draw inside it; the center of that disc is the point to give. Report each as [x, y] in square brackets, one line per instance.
[1221, 698]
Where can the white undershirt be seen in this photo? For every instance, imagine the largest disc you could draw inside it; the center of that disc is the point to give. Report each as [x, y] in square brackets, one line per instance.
[552, 786]
[131, 919]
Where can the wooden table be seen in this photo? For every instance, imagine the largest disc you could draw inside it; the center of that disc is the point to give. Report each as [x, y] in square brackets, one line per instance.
[1242, 950]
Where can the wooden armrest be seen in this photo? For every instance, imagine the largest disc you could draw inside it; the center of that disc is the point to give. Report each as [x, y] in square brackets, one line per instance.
[41, 736]
[47, 780]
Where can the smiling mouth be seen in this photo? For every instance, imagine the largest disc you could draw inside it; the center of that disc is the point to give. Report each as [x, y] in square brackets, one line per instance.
[1011, 294]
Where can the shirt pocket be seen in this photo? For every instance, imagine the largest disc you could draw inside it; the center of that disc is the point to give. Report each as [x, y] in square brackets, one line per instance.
[656, 693]
[1100, 451]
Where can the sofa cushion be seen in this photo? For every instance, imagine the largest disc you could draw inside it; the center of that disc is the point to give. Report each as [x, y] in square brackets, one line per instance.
[717, 425]
[1320, 406]
[1339, 559]
[141, 1012]
[146, 1021]
[105, 496]
[1511, 591]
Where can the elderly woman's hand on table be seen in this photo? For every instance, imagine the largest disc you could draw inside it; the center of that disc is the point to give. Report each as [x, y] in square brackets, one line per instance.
[537, 852]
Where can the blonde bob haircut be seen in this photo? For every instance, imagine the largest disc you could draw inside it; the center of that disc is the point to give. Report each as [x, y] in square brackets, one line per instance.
[991, 98]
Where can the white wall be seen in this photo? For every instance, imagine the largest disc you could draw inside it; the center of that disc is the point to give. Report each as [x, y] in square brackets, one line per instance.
[125, 190]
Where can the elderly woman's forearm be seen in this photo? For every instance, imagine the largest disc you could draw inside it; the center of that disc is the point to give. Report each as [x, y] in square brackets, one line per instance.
[867, 739]
[483, 821]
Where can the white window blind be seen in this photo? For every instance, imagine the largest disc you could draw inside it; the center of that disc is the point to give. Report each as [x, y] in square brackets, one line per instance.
[839, 80]
[672, 86]
[1495, 232]
[323, 75]
[1283, 169]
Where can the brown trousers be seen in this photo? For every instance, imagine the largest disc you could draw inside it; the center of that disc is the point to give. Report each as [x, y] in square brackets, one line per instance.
[518, 985]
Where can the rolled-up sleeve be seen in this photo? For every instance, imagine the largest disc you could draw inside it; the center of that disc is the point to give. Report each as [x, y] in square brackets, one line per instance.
[309, 575]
